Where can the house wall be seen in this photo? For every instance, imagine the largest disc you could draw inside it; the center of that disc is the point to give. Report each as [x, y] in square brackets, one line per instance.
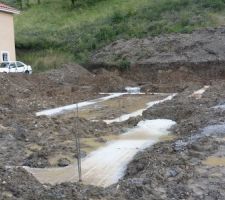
[7, 39]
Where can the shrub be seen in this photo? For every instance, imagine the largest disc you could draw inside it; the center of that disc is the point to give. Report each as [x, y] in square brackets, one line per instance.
[124, 64]
[212, 4]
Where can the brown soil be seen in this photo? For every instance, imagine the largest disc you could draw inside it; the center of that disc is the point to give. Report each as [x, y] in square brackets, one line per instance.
[174, 58]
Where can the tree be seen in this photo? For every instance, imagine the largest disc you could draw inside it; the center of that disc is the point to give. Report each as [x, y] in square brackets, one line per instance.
[20, 3]
[28, 3]
[73, 2]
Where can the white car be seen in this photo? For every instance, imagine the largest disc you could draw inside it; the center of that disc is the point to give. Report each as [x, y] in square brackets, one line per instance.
[15, 66]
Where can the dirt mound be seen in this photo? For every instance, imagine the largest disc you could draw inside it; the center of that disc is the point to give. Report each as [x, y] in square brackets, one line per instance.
[100, 80]
[197, 47]
[110, 81]
[14, 83]
[16, 183]
[173, 59]
[69, 73]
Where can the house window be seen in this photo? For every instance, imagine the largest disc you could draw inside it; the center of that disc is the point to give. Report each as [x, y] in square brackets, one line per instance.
[4, 56]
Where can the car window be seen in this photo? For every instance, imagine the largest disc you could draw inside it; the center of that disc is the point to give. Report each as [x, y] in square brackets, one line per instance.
[4, 65]
[19, 64]
[12, 65]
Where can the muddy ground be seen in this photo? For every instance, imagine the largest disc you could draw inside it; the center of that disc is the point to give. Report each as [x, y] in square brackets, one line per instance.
[189, 165]
[178, 168]
[39, 141]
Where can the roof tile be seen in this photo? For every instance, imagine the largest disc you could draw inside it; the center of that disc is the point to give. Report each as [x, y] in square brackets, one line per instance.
[9, 9]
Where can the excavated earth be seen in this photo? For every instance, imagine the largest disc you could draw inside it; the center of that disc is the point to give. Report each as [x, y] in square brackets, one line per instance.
[187, 165]
[173, 58]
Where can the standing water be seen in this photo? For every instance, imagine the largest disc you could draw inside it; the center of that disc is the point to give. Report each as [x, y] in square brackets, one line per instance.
[107, 165]
[133, 90]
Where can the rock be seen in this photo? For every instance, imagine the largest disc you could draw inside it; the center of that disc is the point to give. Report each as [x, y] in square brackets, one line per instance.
[63, 162]
[171, 173]
[20, 133]
[37, 159]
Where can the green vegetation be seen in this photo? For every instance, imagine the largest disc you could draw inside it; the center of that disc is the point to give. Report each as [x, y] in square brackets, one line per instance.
[46, 59]
[54, 27]
[124, 64]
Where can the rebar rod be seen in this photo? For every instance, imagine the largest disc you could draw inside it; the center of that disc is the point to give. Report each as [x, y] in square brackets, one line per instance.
[78, 145]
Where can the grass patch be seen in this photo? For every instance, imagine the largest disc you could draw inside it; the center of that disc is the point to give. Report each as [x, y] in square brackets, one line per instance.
[45, 59]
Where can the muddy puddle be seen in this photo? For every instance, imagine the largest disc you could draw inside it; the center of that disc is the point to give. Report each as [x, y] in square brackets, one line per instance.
[107, 164]
[72, 107]
[214, 161]
[139, 112]
[120, 108]
[89, 145]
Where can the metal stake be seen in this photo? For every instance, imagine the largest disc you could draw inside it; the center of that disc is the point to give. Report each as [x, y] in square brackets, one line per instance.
[78, 145]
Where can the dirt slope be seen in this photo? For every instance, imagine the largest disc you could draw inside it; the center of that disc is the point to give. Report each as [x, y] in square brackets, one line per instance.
[197, 47]
[175, 58]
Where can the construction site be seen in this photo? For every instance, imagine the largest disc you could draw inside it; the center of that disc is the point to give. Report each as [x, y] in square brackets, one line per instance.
[155, 130]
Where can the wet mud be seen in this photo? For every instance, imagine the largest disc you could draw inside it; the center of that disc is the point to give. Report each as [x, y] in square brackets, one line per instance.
[186, 165]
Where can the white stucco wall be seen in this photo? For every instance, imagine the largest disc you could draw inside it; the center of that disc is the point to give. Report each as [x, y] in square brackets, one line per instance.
[7, 39]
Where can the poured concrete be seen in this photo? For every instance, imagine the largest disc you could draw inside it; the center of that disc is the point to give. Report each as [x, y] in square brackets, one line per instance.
[198, 94]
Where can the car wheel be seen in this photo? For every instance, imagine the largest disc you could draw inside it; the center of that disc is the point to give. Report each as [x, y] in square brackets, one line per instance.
[27, 72]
